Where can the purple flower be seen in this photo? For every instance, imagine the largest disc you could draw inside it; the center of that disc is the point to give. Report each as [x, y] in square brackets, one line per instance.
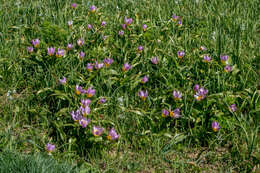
[143, 94]
[174, 17]
[99, 65]
[102, 100]
[121, 33]
[97, 131]
[84, 122]
[140, 49]
[70, 23]
[215, 126]
[36, 42]
[90, 26]
[60, 53]
[63, 80]
[123, 26]
[224, 59]
[227, 68]
[73, 5]
[144, 79]
[91, 92]
[196, 87]
[201, 94]
[80, 90]
[144, 27]
[108, 61]
[80, 42]
[82, 55]
[165, 113]
[128, 21]
[155, 60]
[76, 116]
[175, 113]
[105, 37]
[233, 107]
[112, 135]
[85, 102]
[89, 67]
[203, 48]
[69, 46]
[30, 49]
[103, 23]
[50, 147]
[85, 110]
[177, 95]
[93, 8]
[206, 58]
[179, 22]
[126, 67]
[180, 54]
[51, 51]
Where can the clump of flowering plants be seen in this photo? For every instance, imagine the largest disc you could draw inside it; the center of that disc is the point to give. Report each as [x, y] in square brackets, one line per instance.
[87, 127]
[122, 74]
[200, 92]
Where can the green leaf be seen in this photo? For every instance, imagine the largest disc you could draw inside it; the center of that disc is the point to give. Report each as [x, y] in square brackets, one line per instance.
[96, 139]
[61, 95]
[44, 90]
[63, 111]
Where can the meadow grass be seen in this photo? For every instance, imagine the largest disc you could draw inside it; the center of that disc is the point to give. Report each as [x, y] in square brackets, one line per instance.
[35, 107]
[15, 162]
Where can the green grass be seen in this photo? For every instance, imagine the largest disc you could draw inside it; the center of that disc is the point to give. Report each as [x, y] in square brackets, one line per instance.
[35, 108]
[14, 162]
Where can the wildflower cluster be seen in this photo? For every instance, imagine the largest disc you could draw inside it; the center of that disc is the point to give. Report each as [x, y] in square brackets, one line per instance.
[176, 113]
[50, 50]
[80, 116]
[224, 59]
[177, 19]
[200, 92]
[85, 114]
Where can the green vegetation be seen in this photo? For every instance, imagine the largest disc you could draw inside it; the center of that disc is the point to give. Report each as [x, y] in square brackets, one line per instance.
[13, 162]
[211, 129]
